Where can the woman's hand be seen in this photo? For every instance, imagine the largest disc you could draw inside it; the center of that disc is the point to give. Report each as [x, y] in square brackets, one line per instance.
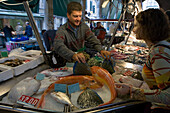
[105, 54]
[79, 57]
[122, 89]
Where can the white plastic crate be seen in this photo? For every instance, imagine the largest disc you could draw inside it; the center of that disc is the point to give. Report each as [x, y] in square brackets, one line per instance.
[6, 73]
[35, 54]
[21, 68]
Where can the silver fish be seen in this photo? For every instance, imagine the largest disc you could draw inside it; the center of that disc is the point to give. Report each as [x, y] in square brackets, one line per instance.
[63, 99]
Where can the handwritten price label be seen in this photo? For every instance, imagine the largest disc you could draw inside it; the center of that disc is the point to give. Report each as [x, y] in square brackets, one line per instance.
[24, 99]
[61, 69]
[73, 88]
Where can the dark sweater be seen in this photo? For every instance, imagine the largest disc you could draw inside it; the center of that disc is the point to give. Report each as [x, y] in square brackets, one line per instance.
[66, 42]
[48, 37]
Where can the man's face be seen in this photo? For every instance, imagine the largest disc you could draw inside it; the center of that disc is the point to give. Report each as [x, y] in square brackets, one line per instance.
[98, 24]
[75, 18]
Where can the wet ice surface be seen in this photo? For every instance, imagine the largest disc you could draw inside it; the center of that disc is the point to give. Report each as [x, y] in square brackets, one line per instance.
[52, 104]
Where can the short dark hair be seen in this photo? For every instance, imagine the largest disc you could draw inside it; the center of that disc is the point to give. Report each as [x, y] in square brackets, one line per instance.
[73, 6]
[154, 25]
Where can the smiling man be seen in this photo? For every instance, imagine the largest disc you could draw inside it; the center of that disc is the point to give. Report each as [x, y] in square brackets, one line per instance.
[71, 36]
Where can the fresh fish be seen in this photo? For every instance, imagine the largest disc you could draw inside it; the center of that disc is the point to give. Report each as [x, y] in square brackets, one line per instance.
[13, 62]
[63, 99]
[45, 83]
[57, 73]
[84, 82]
[89, 98]
[28, 86]
[95, 61]
[103, 76]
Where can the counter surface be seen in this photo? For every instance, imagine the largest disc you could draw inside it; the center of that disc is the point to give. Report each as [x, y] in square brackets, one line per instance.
[5, 86]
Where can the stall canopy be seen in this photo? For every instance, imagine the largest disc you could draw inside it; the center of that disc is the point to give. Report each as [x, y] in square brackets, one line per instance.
[16, 5]
[60, 7]
[115, 10]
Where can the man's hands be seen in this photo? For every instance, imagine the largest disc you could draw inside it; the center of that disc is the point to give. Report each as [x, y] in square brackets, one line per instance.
[105, 54]
[79, 57]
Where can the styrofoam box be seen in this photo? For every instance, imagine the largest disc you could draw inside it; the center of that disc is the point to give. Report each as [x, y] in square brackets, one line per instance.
[6, 73]
[39, 58]
[21, 68]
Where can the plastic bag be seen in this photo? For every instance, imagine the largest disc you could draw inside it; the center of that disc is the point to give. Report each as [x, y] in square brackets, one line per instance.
[109, 65]
[27, 86]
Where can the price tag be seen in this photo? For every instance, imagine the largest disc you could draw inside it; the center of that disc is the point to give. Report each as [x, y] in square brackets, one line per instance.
[128, 73]
[4, 54]
[27, 100]
[73, 88]
[60, 87]
[40, 76]
[61, 69]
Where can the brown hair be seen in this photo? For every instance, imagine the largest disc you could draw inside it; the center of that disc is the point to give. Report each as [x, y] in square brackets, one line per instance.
[154, 24]
[73, 6]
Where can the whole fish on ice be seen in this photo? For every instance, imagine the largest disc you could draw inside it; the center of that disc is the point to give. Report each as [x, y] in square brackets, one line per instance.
[57, 73]
[84, 81]
[45, 83]
[102, 76]
[89, 98]
[28, 87]
[63, 98]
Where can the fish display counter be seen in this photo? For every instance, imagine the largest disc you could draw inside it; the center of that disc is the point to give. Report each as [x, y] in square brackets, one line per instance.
[43, 89]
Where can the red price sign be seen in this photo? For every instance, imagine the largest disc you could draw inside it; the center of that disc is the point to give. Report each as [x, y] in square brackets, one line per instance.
[61, 69]
[28, 100]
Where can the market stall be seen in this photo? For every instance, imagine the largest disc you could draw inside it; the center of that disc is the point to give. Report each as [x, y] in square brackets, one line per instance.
[35, 87]
[65, 73]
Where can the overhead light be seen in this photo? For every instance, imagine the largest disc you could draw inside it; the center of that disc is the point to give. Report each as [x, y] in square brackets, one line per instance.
[3, 0]
[105, 3]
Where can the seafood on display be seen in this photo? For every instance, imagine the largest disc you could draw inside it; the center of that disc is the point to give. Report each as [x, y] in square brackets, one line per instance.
[99, 78]
[45, 83]
[58, 72]
[103, 76]
[14, 62]
[84, 81]
[89, 98]
[28, 86]
[63, 99]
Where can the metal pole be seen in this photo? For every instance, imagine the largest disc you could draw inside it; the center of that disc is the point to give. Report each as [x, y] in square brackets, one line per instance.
[130, 29]
[37, 35]
[114, 32]
[50, 14]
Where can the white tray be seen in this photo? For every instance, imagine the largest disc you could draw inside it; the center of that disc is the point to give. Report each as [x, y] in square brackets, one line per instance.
[6, 73]
[21, 68]
[39, 58]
